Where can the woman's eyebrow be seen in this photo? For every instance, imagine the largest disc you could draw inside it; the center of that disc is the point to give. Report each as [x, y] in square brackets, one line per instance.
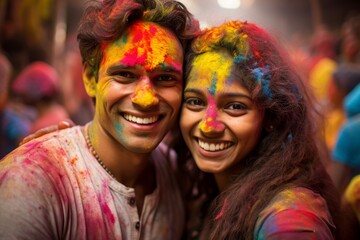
[193, 90]
[230, 94]
[225, 94]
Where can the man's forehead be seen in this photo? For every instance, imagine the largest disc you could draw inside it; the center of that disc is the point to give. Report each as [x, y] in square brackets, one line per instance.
[147, 44]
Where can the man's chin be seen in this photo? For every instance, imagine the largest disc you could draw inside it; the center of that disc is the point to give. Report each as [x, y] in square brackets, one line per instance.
[143, 146]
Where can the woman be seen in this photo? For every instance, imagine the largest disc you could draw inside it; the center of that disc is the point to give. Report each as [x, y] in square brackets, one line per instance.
[247, 119]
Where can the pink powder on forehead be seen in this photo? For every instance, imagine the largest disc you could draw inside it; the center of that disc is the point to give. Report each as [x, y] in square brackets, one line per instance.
[170, 61]
[132, 58]
[149, 46]
[141, 49]
[146, 45]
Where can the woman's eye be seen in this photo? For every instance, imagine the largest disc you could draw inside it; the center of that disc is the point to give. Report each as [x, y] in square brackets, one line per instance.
[194, 102]
[236, 106]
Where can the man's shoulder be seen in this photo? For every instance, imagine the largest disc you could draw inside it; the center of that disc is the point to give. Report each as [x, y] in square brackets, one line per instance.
[45, 151]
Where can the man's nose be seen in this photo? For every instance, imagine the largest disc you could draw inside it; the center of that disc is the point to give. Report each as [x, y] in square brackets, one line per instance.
[145, 95]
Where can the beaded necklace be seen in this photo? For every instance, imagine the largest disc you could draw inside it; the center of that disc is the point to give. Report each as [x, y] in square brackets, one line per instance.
[94, 153]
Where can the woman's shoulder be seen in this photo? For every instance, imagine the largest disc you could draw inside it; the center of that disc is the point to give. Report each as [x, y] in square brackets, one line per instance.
[295, 212]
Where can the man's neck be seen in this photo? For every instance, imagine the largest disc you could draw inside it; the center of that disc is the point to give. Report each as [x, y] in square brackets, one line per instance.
[128, 168]
[134, 170]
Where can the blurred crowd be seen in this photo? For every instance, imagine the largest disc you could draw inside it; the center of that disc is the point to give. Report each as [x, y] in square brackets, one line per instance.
[330, 64]
[34, 93]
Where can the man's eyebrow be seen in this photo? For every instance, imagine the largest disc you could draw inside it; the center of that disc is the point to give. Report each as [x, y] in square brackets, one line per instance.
[116, 67]
[168, 68]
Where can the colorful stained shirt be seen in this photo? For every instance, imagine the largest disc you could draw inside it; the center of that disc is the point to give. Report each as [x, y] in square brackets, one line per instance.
[352, 195]
[296, 213]
[53, 188]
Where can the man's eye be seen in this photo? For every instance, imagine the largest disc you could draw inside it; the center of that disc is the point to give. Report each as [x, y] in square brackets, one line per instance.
[166, 80]
[124, 74]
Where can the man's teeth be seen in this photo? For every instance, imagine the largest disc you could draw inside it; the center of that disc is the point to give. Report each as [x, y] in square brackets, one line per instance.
[140, 120]
[212, 147]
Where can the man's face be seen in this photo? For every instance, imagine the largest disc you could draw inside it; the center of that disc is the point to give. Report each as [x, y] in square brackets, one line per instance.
[139, 88]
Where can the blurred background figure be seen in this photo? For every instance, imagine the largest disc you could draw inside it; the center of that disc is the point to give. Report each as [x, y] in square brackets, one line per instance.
[351, 209]
[343, 128]
[321, 63]
[13, 126]
[346, 152]
[38, 86]
[350, 44]
[78, 104]
[344, 79]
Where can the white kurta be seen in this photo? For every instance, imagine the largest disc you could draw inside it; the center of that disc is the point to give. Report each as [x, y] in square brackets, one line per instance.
[53, 188]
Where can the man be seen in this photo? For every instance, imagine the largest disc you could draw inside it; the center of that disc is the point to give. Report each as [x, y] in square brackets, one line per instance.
[106, 180]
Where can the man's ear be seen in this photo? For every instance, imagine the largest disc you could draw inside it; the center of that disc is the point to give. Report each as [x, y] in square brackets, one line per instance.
[89, 80]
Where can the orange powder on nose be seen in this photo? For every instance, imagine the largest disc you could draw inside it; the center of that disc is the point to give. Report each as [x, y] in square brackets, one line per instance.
[206, 125]
[145, 96]
[210, 123]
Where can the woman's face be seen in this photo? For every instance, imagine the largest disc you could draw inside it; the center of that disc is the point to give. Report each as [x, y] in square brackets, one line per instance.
[219, 121]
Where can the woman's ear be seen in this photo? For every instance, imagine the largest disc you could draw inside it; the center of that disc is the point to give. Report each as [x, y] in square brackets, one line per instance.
[269, 125]
[89, 80]
[269, 128]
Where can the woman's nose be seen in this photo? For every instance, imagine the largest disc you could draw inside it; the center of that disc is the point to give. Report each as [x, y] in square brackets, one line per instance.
[210, 123]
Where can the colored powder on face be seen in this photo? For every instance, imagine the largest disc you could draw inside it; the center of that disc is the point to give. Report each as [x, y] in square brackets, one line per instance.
[169, 61]
[145, 96]
[119, 130]
[210, 123]
[144, 44]
[212, 89]
[212, 68]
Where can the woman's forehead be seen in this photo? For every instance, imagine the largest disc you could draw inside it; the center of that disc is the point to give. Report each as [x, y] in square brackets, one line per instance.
[212, 69]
